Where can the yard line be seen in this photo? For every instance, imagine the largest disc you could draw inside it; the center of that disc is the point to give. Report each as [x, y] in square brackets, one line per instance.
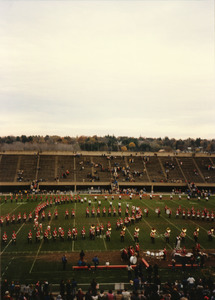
[171, 224]
[151, 227]
[11, 239]
[102, 236]
[130, 234]
[12, 210]
[73, 242]
[7, 266]
[40, 246]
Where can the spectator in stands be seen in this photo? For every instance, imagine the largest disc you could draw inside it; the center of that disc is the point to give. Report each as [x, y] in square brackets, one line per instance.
[110, 295]
[80, 295]
[102, 295]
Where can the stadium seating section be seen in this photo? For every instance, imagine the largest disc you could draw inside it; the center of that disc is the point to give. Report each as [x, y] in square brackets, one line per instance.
[105, 169]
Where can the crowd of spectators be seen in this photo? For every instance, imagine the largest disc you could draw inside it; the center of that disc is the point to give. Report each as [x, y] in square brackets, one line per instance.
[189, 288]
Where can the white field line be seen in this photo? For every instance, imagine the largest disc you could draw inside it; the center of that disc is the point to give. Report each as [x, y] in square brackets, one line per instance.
[73, 242]
[7, 266]
[102, 236]
[13, 210]
[11, 239]
[172, 224]
[38, 251]
[151, 227]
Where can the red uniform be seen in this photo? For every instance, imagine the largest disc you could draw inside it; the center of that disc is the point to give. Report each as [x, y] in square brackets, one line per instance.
[14, 237]
[4, 238]
[30, 237]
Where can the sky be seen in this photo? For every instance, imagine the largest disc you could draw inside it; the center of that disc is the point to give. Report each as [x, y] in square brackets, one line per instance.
[124, 68]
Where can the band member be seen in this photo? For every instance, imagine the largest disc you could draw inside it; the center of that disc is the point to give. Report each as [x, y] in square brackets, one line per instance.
[188, 214]
[29, 237]
[62, 234]
[146, 211]
[137, 249]
[14, 237]
[114, 211]
[122, 234]
[92, 232]
[46, 236]
[203, 215]
[56, 214]
[124, 254]
[74, 234]
[109, 211]
[183, 234]
[37, 238]
[210, 234]
[193, 214]
[4, 237]
[177, 213]
[30, 217]
[13, 218]
[196, 235]
[83, 233]
[66, 214]
[93, 211]
[98, 212]
[87, 212]
[101, 229]
[73, 213]
[183, 213]
[43, 215]
[136, 234]
[198, 214]
[19, 217]
[158, 211]
[167, 235]
[1, 221]
[24, 217]
[69, 235]
[152, 235]
[108, 234]
[120, 211]
[104, 211]
[97, 230]
[54, 234]
[7, 219]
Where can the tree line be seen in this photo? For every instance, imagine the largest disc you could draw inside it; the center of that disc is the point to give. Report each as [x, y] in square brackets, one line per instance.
[104, 143]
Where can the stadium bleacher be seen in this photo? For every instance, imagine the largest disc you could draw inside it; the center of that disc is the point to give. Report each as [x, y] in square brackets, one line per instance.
[125, 170]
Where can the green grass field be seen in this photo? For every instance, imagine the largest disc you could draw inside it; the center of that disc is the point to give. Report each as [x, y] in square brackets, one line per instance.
[30, 262]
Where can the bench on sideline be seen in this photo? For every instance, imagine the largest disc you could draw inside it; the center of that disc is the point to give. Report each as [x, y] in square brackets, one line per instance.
[186, 265]
[102, 267]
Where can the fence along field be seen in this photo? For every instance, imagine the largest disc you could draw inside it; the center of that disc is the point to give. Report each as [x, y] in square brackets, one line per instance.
[30, 260]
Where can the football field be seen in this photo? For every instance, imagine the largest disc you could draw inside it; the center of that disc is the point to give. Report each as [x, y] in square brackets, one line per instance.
[28, 260]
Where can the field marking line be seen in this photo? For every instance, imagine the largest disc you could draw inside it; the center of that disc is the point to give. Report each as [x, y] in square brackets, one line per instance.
[151, 227]
[6, 268]
[172, 224]
[102, 235]
[73, 242]
[13, 210]
[11, 239]
[38, 251]
[130, 234]
[193, 221]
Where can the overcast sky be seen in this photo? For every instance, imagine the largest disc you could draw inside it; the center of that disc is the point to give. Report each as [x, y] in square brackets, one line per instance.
[136, 68]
